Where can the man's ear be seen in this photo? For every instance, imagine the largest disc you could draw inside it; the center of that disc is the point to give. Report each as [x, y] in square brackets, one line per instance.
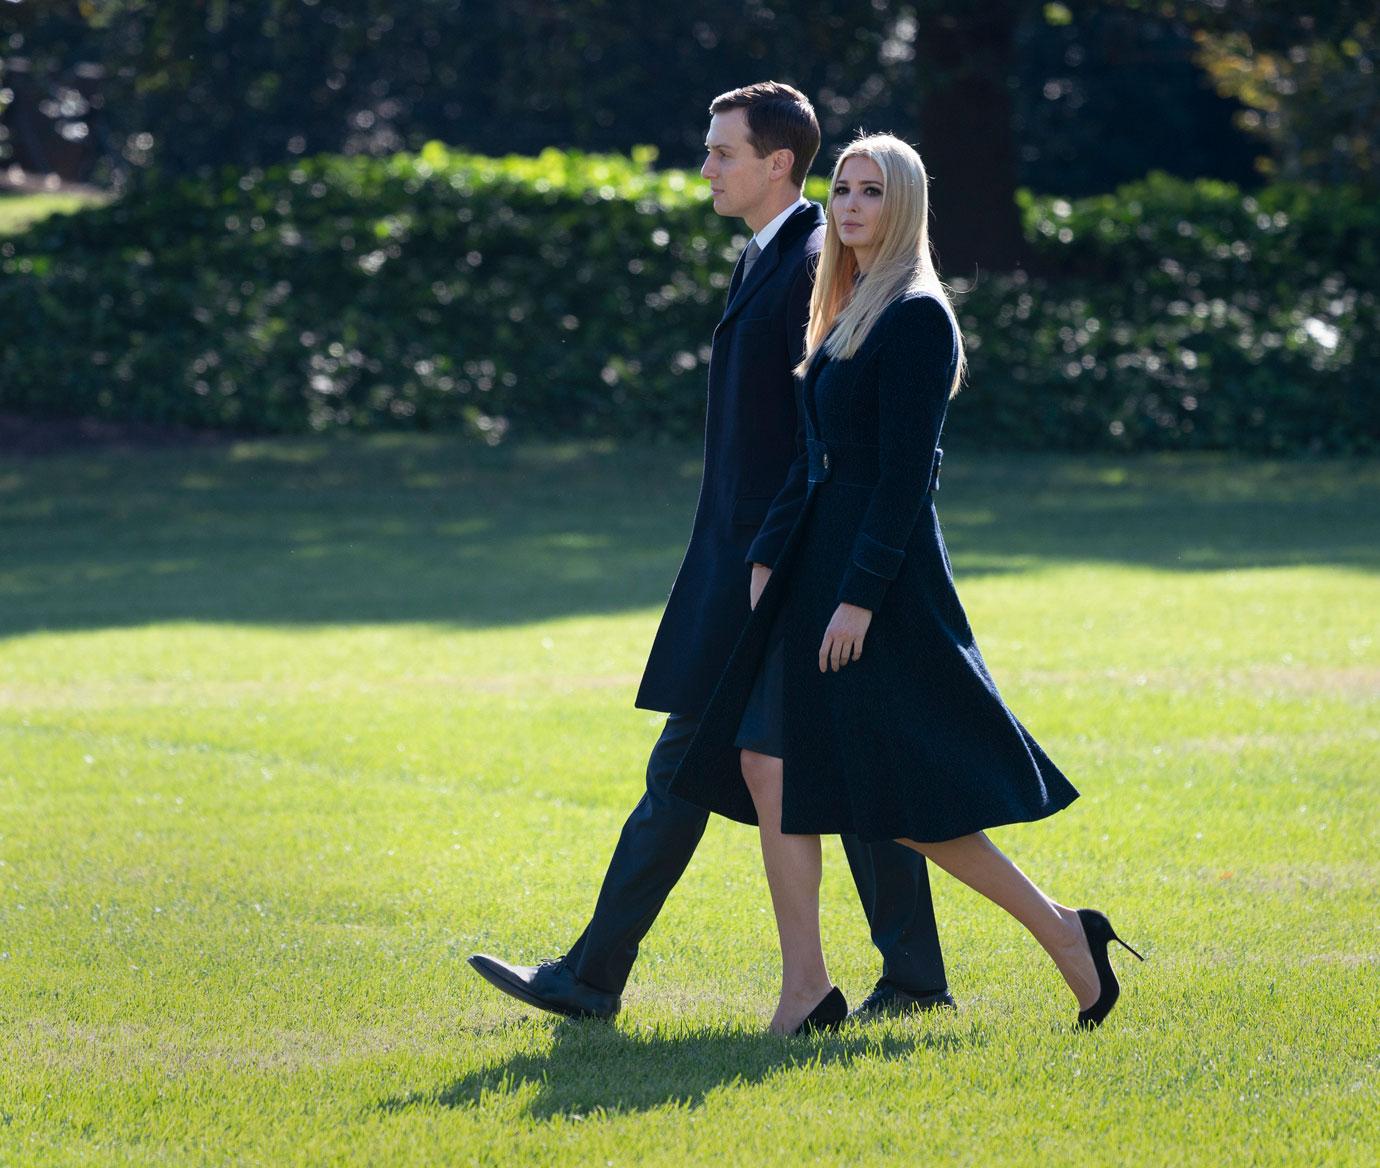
[781, 162]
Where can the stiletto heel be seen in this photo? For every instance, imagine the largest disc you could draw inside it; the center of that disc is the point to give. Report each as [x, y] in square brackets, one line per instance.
[1100, 934]
[828, 1015]
[1128, 948]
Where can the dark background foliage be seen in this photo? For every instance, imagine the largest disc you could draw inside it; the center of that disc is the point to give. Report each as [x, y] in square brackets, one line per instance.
[257, 82]
[125, 85]
[274, 263]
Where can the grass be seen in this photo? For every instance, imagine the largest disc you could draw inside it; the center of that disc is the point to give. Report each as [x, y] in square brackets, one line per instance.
[288, 729]
[18, 212]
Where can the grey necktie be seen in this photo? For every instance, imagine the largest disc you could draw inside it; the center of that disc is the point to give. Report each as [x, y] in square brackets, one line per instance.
[749, 258]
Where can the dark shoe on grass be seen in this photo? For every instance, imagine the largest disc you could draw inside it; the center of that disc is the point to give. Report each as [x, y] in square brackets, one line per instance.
[888, 1000]
[550, 986]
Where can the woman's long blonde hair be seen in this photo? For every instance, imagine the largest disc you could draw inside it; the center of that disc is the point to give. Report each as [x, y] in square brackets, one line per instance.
[843, 309]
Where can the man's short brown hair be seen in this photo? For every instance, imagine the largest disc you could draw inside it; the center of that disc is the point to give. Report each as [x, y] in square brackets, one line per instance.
[779, 117]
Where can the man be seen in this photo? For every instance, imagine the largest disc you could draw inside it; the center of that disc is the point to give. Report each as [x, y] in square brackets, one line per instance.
[761, 142]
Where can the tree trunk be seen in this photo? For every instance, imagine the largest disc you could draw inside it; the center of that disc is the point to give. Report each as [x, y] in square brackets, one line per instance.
[967, 65]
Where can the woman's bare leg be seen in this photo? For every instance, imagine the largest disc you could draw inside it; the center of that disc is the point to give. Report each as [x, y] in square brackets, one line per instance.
[983, 867]
[793, 872]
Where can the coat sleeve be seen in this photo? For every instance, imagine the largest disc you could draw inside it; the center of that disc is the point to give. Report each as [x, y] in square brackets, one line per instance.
[767, 546]
[916, 364]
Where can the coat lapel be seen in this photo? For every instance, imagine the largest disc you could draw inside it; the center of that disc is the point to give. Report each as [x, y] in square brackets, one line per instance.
[805, 220]
[766, 264]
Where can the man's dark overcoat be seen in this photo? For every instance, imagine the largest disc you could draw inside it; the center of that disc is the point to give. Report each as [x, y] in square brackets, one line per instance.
[912, 740]
[752, 436]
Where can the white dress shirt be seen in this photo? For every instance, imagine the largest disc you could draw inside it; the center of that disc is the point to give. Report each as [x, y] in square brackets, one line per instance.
[768, 233]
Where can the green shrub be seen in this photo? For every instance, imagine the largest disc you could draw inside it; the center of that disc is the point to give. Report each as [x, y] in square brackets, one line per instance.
[577, 294]
[1188, 315]
[559, 293]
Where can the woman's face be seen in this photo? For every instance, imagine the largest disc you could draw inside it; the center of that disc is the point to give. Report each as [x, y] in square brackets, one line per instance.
[856, 202]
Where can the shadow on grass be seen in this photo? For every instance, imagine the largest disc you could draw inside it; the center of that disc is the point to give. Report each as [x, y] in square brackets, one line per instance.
[414, 528]
[593, 1066]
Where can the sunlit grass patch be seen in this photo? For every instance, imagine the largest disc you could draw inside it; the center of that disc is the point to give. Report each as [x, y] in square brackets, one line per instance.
[287, 730]
[20, 211]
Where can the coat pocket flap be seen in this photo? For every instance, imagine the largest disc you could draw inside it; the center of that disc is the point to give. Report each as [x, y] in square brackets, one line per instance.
[877, 558]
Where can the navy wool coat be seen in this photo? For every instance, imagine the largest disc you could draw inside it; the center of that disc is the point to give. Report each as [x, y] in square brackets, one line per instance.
[912, 740]
[753, 433]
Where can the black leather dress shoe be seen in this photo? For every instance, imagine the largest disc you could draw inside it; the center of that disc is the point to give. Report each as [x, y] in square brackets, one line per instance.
[888, 1000]
[551, 986]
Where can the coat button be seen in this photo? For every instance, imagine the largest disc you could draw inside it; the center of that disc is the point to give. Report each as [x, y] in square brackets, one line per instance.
[826, 460]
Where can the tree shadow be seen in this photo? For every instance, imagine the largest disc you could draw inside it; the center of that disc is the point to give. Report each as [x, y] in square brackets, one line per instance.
[593, 1066]
[408, 528]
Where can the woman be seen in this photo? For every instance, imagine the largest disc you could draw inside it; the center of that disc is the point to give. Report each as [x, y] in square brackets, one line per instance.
[908, 740]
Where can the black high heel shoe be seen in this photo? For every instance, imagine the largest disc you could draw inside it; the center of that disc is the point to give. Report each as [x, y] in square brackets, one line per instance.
[1100, 934]
[828, 1015]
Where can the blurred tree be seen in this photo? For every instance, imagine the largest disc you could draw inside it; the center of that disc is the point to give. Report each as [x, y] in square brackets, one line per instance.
[1085, 78]
[1316, 103]
[965, 65]
[1070, 98]
[1306, 75]
[50, 90]
[254, 80]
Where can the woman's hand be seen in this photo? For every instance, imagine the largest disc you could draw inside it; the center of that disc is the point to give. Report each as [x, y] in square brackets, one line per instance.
[760, 575]
[843, 639]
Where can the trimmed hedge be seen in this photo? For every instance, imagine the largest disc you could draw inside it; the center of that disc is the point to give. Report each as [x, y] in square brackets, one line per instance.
[571, 293]
[1190, 315]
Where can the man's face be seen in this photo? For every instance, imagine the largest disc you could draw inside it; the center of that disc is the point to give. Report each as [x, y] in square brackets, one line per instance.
[738, 179]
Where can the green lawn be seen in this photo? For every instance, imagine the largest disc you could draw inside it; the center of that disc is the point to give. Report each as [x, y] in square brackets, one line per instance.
[288, 729]
[20, 211]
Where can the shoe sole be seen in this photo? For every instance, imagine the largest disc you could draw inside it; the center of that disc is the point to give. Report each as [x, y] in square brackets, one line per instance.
[514, 989]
